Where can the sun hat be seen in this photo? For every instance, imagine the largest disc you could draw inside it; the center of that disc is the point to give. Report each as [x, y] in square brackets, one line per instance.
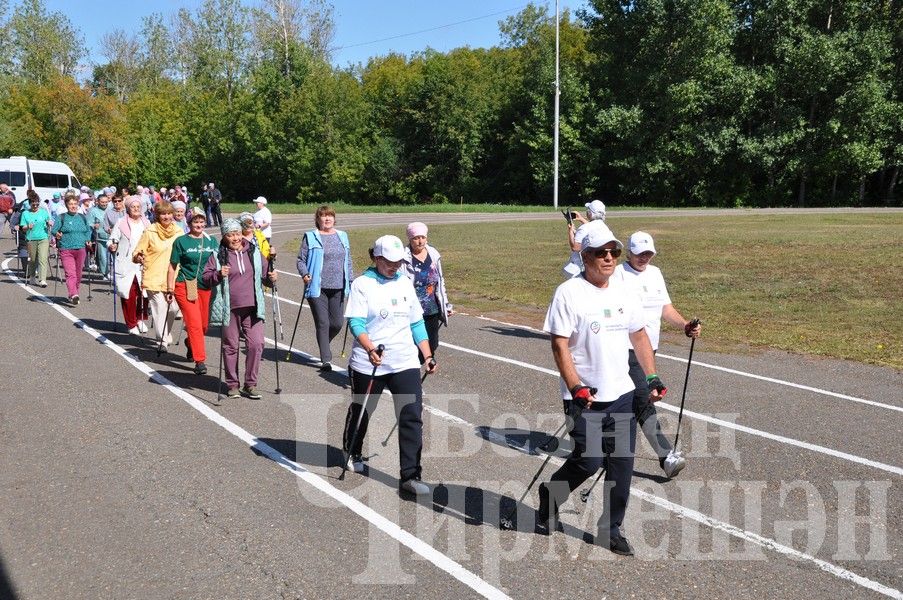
[596, 209]
[389, 247]
[596, 235]
[640, 242]
[260, 200]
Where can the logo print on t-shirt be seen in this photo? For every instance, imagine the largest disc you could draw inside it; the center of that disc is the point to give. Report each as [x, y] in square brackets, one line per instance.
[394, 302]
[595, 326]
[607, 313]
[384, 313]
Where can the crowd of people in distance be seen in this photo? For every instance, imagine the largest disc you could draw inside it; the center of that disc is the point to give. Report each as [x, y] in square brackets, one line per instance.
[604, 321]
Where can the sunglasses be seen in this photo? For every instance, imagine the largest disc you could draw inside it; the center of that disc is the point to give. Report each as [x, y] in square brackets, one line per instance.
[600, 252]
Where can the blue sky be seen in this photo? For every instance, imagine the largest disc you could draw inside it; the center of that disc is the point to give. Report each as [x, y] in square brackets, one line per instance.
[357, 22]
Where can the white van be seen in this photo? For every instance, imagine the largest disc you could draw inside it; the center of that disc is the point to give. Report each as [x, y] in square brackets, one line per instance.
[43, 176]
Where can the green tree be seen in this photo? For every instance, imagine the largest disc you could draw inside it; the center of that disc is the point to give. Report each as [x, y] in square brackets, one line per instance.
[45, 45]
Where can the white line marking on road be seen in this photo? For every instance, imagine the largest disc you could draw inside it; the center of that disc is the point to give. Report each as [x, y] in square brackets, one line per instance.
[770, 544]
[417, 545]
[764, 434]
[727, 370]
[688, 513]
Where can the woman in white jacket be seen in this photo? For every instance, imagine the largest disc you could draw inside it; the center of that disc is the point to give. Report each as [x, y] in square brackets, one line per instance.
[123, 239]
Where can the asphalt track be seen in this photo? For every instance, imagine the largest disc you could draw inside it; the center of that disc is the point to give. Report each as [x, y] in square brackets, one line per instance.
[120, 479]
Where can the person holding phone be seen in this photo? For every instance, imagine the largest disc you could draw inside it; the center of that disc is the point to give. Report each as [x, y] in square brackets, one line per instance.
[595, 211]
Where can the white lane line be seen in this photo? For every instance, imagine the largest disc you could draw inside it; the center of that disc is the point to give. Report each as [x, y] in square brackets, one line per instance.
[798, 386]
[764, 434]
[417, 545]
[727, 370]
[674, 358]
[688, 513]
[770, 544]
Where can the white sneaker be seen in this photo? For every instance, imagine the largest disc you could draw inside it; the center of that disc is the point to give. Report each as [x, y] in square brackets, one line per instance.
[142, 327]
[135, 331]
[416, 487]
[674, 463]
[356, 463]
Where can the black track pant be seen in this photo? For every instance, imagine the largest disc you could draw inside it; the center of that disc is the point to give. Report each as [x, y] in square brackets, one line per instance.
[605, 437]
[644, 410]
[432, 324]
[408, 397]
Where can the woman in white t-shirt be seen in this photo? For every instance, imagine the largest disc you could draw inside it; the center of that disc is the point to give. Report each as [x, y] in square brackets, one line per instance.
[263, 218]
[383, 310]
[648, 283]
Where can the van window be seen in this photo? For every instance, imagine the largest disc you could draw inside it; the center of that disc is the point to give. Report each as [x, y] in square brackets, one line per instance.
[50, 180]
[12, 178]
[75, 183]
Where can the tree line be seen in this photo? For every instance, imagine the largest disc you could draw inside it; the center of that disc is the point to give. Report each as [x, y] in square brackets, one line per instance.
[663, 102]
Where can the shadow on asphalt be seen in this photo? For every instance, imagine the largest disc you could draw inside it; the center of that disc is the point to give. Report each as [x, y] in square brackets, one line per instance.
[528, 442]
[514, 332]
[7, 592]
[472, 505]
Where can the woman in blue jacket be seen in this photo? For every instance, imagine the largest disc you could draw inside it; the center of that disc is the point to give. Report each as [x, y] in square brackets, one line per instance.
[324, 262]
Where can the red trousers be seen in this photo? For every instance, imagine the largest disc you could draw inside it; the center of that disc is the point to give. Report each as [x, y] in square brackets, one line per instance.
[134, 308]
[195, 317]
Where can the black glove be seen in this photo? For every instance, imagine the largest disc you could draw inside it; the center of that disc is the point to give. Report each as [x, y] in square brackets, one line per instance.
[655, 383]
[689, 327]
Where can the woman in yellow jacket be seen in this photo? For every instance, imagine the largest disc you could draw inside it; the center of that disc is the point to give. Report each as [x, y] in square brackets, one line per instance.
[152, 253]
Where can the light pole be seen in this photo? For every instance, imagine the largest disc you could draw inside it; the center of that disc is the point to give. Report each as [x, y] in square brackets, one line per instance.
[557, 95]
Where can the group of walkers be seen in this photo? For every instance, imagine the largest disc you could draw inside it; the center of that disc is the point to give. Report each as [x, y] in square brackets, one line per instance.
[604, 322]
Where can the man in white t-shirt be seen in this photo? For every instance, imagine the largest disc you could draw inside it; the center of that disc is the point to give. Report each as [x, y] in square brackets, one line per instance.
[593, 325]
[263, 218]
[649, 284]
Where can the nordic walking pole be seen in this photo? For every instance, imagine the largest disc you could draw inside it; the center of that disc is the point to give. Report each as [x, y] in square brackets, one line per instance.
[360, 417]
[683, 396]
[57, 280]
[288, 354]
[163, 334]
[115, 291]
[385, 442]
[275, 297]
[584, 495]
[506, 522]
[345, 343]
[223, 260]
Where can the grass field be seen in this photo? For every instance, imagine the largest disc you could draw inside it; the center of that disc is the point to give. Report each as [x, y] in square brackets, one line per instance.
[342, 208]
[816, 284]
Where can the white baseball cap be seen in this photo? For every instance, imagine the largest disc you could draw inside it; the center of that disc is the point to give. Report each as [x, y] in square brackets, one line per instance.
[596, 209]
[260, 200]
[640, 242]
[596, 235]
[389, 247]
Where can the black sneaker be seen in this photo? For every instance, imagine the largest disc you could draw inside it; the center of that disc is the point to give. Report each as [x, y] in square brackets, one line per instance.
[326, 367]
[547, 515]
[74, 300]
[200, 369]
[620, 545]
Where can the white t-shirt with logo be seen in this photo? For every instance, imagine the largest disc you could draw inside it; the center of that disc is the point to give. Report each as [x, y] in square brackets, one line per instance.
[389, 308]
[649, 285]
[597, 322]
